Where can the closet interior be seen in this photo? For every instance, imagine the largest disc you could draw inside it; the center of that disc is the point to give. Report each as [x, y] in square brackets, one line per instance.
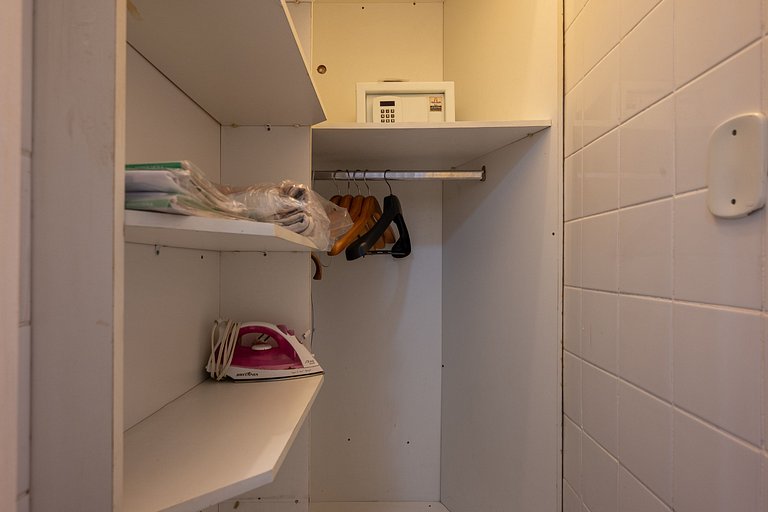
[441, 386]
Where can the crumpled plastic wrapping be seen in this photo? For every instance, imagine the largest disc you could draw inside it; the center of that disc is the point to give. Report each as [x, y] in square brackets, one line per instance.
[182, 188]
[294, 207]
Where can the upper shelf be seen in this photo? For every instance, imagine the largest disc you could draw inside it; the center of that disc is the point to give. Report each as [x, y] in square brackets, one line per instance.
[412, 145]
[242, 64]
[211, 234]
[218, 440]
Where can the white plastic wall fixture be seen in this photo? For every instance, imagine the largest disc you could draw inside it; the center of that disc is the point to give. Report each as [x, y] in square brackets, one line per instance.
[737, 166]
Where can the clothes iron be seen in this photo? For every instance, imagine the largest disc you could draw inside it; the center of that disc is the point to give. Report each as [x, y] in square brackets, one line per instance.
[258, 351]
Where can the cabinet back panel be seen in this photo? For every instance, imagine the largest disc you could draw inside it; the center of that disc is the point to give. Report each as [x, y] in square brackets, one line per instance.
[253, 154]
[171, 298]
[376, 422]
[500, 418]
[163, 124]
[171, 301]
[368, 42]
[272, 287]
[502, 56]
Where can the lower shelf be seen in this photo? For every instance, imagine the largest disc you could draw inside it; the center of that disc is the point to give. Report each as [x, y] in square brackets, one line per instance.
[378, 506]
[217, 441]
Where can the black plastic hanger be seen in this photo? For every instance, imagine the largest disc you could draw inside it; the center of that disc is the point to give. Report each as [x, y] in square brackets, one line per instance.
[392, 212]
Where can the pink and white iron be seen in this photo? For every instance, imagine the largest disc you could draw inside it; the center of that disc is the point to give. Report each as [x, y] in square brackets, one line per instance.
[258, 351]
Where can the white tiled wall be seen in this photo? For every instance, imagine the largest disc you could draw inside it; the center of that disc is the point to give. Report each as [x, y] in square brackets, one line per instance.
[665, 306]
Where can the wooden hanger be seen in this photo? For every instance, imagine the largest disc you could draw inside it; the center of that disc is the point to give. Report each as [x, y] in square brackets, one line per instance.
[318, 275]
[365, 243]
[358, 228]
[360, 208]
[345, 201]
[372, 205]
[356, 206]
[389, 236]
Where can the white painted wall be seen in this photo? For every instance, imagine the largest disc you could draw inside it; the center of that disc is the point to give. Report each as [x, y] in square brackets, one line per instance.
[11, 321]
[502, 267]
[501, 397]
[376, 423]
[665, 313]
[172, 295]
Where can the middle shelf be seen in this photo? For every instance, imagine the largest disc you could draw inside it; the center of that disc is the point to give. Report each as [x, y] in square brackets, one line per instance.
[212, 234]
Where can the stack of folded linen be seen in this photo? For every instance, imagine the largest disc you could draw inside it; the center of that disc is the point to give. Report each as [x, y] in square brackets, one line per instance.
[181, 188]
[177, 187]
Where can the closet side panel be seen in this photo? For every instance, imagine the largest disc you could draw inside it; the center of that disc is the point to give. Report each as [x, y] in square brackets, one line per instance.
[376, 422]
[502, 266]
[171, 301]
[270, 287]
[163, 124]
[172, 295]
[501, 258]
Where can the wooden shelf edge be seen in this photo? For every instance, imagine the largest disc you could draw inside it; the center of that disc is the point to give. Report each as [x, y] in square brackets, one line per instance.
[218, 440]
[206, 233]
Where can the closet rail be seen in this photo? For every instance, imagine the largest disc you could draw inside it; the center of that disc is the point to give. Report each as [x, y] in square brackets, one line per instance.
[453, 175]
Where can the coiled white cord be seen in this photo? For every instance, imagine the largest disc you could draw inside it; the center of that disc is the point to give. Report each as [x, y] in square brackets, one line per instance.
[223, 343]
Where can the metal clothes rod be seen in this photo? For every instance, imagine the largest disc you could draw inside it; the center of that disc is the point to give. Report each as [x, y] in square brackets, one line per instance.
[400, 175]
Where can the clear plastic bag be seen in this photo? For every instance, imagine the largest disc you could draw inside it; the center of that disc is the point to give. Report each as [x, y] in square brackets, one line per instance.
[182, 188]
[295, 207]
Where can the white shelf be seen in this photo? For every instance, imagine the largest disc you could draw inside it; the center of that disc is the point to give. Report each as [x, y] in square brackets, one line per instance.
[215, 442]
[378, 506]
[211, 234]
[242, 64]
[408, 146]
